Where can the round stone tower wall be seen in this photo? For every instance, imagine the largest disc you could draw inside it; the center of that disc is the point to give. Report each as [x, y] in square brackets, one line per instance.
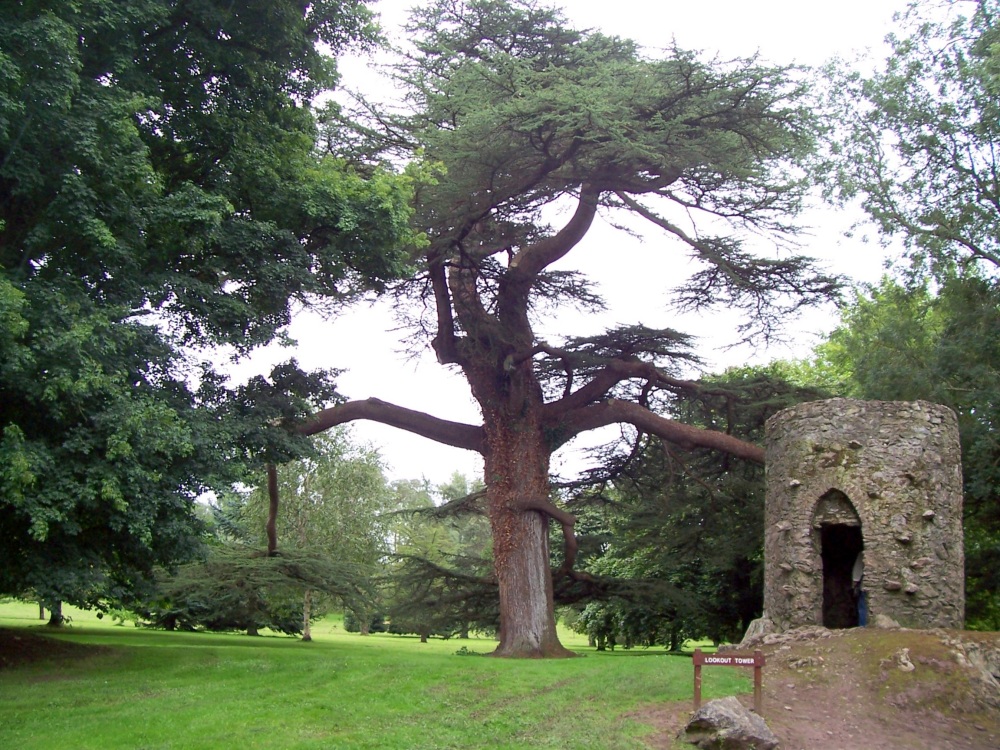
[879, 476]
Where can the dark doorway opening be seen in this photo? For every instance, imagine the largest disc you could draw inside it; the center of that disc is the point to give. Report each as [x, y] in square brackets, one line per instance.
[841, 545]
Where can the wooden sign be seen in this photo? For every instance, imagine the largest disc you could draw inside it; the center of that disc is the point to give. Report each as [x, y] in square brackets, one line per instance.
[755, 660]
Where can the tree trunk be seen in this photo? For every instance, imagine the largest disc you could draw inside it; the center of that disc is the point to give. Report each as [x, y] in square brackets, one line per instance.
[517, 472]
[306, 612]
[41, 611]
[56, 619]
[272, 510]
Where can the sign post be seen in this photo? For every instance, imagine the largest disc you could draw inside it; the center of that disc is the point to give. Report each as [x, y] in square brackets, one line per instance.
[755, 660]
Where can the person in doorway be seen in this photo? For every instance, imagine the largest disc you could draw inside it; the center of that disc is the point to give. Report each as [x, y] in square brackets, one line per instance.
[860, 596]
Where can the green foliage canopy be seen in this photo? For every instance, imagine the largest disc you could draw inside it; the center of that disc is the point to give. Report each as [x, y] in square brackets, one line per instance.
[917, 140]
[680, 533]
[160, 192]
[440, 578]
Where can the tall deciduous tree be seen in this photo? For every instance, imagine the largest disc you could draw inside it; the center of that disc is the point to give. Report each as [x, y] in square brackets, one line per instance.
[332, 506]
[160, 191]
[917, 140]
[532, 123]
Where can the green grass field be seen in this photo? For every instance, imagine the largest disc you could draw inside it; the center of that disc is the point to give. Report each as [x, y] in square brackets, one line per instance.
[152, 689]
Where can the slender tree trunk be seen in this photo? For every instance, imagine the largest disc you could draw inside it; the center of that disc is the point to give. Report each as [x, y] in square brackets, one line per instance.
[306, 612]
[41, 611]
[272, 510]
[517, 471]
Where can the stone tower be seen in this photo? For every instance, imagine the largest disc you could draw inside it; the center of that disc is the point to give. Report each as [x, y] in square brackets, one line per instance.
[882, 478]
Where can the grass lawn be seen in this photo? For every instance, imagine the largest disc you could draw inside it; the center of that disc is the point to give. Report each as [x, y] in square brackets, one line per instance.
[153, 689]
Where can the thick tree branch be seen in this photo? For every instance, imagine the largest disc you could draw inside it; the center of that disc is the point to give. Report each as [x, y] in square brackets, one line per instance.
[613, 373]
[455, 434]
[444, 342]
[615, 411]
[563, 355]
[469, 309]
[566, 520]
[532, 260]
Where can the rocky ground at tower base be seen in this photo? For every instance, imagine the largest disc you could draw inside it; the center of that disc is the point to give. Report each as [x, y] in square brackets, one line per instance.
[868, 688]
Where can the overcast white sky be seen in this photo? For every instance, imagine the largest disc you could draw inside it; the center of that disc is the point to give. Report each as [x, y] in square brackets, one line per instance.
[782, 31]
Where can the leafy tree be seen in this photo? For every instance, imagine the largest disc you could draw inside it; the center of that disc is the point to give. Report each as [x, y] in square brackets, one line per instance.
[332, 507]
[238, 588]
[918, 139]
[373, 624]
[909, 342]
[682, 530]
[530, 122]
[440, 581]
[160, 192]
[919, 147]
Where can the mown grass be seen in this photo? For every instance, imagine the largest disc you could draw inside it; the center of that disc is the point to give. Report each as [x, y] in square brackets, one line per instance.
[151, 689]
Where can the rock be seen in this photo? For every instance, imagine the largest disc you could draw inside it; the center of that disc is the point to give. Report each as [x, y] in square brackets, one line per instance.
[725, 724]
[984, 663]
[805, 661]
[885, 622]
[757, 629]
[903, 660]
[805, 633]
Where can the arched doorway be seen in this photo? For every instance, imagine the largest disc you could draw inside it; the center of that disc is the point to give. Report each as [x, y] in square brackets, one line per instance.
[840, 544]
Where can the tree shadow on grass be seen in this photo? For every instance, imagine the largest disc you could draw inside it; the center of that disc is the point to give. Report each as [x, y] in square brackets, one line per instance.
[21, 647]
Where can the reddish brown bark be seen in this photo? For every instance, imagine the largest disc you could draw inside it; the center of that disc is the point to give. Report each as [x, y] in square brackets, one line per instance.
[514, 444]
[517, 465]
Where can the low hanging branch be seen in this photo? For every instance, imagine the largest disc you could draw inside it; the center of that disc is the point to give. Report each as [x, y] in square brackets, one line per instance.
[615, 411]
[455, 434]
